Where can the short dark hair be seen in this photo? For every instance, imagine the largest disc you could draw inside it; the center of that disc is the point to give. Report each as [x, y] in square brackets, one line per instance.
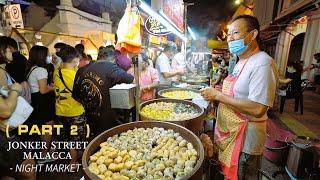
[59, 45]
[317, 56]
[13, 43]
[101, 47]
[145, 58]
[80, 48]
[111, 47]
[37, 57]
[107, 54]
[171, 46]
[67, 53]
[90, 57]
[252, 23]
[3, 46]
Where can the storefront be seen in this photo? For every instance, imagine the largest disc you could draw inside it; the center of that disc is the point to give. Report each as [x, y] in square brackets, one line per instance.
[69, 25]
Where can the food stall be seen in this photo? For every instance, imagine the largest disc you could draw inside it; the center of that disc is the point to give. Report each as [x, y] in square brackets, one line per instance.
[163, 142]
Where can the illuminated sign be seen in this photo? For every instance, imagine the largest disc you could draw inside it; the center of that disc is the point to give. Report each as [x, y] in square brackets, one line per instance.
[154, 27]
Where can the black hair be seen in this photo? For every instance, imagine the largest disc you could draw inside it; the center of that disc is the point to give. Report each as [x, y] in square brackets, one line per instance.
[37, 57]
[101, 47]
[145, 58]
[3, 46]
[107, 54]
[252, 24]
[13, 43]
[317, 56]
[59, 45]
[80, 48]
[171, 46]
[90, 57]
[67, 53]
[111, 47]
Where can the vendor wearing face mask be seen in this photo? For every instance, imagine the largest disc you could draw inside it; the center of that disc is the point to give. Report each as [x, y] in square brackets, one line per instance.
[246, 95]
[163, 64]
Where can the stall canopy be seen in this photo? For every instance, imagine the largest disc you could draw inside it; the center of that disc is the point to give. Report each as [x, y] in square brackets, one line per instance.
[48, 39]
[216, 44]
[243, 10]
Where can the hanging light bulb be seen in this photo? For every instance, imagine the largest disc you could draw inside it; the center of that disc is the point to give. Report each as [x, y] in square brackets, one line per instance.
[237, 2]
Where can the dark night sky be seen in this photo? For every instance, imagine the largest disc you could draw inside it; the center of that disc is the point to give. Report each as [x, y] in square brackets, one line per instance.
[207, 15]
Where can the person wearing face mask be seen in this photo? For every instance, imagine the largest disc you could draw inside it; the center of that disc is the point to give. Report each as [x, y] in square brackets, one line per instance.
[56, 60]
[42, 93]
[163, 64]
[247, 93]
[5, 57]
[148, 79]
[50, 68]
[69, 111]
[16, 64]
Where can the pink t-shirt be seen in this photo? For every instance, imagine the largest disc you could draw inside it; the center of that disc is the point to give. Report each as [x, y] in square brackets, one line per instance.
[147, 78]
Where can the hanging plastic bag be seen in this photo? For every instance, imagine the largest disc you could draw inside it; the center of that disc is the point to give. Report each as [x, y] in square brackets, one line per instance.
[129, 38]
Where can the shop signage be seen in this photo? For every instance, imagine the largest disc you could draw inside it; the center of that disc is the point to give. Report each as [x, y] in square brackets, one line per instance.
[14, 12]
[173, 9]
[154, 27]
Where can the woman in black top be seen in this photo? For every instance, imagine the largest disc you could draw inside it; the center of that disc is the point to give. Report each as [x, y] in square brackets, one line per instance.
[294, 72]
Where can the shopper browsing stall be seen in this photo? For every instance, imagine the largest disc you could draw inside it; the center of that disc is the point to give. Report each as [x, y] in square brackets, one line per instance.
[56, 60]
[84, 60]
[17, 67]
[70, 113]
[9, 159]
[246, 95]
[91, 88]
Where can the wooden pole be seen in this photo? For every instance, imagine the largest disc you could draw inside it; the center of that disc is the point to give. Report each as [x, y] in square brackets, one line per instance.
[135, 62]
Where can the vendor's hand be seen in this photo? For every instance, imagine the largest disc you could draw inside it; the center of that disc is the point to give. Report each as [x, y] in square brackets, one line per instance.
[207, 145]
[210, 94]
[145, 88]
[181, 72]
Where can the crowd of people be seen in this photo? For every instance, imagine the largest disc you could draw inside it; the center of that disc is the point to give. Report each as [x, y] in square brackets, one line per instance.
[66, 87]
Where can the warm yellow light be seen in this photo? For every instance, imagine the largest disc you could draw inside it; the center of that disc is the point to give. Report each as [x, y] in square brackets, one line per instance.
[237, 2]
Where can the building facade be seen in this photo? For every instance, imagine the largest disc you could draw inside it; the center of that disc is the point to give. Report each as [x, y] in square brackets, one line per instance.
[290, 30]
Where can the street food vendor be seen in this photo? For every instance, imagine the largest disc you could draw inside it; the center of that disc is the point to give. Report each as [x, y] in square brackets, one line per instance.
[246, 95]
[148, 79]
[163, 64]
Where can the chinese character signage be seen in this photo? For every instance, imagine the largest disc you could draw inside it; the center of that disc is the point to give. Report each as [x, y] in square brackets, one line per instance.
[154, 27]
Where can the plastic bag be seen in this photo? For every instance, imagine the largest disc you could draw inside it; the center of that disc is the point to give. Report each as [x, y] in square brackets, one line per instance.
[129, 38]
[21, 113]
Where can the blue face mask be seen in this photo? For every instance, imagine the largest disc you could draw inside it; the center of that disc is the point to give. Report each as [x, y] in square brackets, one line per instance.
[238, 46]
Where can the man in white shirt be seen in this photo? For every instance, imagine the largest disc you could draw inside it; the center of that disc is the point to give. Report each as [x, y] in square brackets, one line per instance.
[163, 64]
